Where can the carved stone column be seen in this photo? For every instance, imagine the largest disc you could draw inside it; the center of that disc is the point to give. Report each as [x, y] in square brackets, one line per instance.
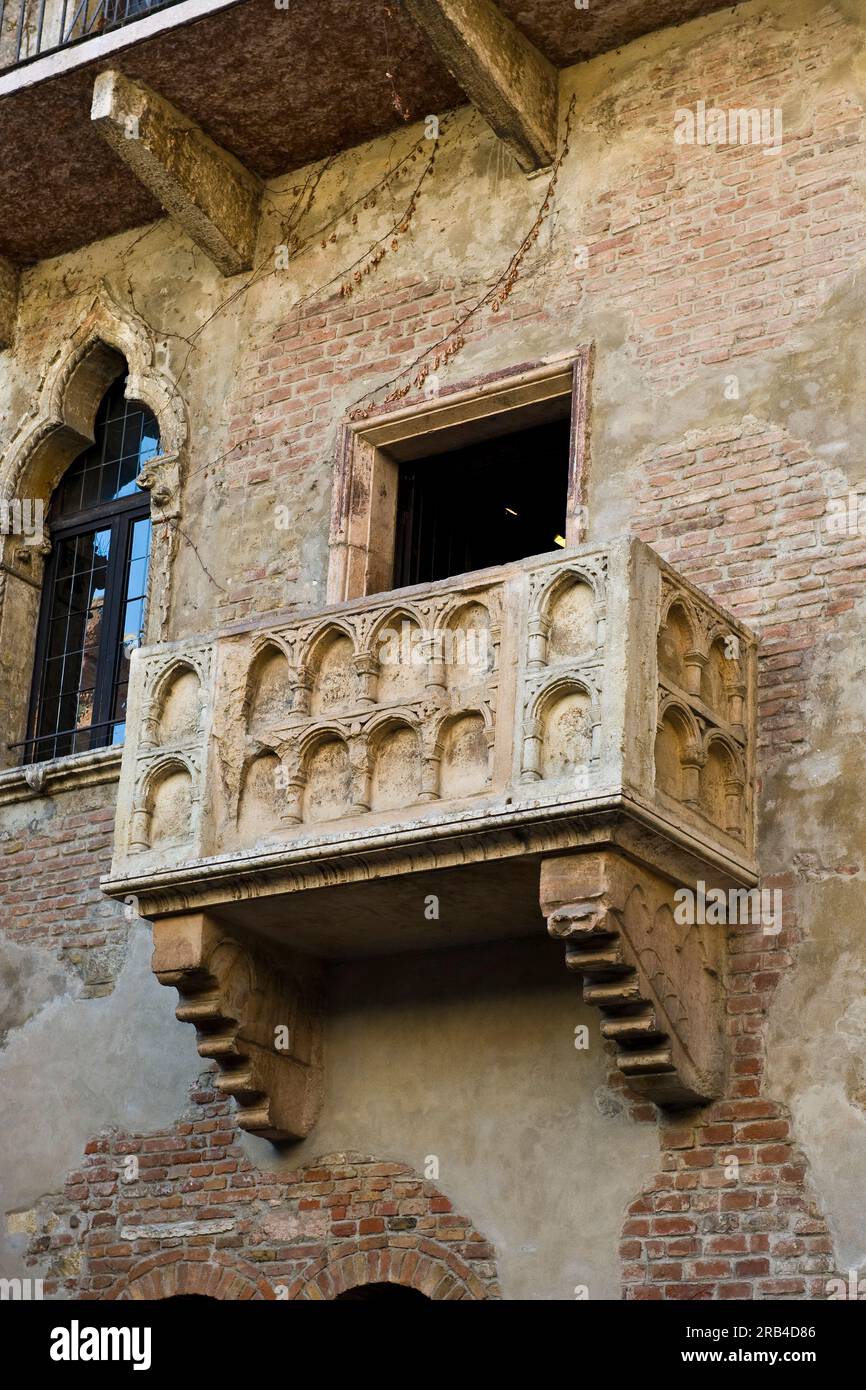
[434, 663]
[538, 634]
[302, 688]
[161, 477]
[657, 983]
[293, 806]
[367, 676]
[139, 832]
[257, 1016]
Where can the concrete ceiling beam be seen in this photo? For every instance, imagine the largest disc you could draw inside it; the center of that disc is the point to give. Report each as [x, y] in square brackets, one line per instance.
[510, 83]
[206, 190]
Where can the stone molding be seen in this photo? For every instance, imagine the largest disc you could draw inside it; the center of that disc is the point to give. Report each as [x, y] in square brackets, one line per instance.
[91, 769]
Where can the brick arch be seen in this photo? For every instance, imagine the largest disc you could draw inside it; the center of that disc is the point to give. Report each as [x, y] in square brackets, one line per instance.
[172, 1273]
[415, 1263]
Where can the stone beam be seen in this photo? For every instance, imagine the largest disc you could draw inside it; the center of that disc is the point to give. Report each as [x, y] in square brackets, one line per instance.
[9, 276]
[657, 983]
[513, 85]
[205, 189]
[257, 1015]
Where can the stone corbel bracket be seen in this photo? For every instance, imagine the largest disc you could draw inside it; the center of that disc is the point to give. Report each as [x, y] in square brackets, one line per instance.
[657, 983]
[259, 1018]
[207, 191]
[506, 78]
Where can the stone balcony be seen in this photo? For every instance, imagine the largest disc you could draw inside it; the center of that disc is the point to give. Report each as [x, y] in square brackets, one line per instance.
[306, 789]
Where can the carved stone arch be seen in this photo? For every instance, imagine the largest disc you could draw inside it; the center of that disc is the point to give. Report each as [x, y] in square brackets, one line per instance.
[262, 803]
[679, 755]
[401, 612]
[157, 769]
[562, 579]
[717, 631]
[443, 717]
[554, 743]
[382, 722]
[187, 662]
[320, 732]
[310, 651]
[58, 427]
[327, 783]
[456, 603]
[387, 678]
[262, 640]
[445, 661]
[723, 783]
[333, 689]
[144, 804]
[561, 685]
[716, 737]
[62, 415]
[672, 706]
[462, 750]
[542, 613]
[269, 642]
[673, 597]
[723, 684]
[265, 648]
[155, 707]
[396, 616]
[394, 749]
[682, 650]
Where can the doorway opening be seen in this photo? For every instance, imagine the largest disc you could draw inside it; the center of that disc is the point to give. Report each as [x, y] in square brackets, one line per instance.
[488, 503]
[374, 1293]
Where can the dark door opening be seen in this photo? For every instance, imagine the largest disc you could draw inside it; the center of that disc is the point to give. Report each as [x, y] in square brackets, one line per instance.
[488, 503]
[372, 1293]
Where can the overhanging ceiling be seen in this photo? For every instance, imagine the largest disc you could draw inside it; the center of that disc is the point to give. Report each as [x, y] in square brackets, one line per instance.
[277, 87]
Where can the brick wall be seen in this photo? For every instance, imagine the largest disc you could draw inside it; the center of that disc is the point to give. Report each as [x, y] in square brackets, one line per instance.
[313, 1233]
[731, 1213]
[718, 253]
[714, 258]
[295, 393]
[50, 867]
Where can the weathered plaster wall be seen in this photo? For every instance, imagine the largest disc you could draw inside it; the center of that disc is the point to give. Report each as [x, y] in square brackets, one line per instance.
[702, 265]
[469, 1058]
[817, 1037]
[77, 1066]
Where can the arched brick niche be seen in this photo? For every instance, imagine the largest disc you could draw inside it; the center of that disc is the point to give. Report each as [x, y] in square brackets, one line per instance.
[346, 1222]
[174, 1274]
[417, 1264]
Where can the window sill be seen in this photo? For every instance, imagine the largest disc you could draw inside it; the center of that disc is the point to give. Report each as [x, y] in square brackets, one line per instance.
[60, 774]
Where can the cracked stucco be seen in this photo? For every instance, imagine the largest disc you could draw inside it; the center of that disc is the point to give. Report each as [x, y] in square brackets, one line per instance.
[79, 1066]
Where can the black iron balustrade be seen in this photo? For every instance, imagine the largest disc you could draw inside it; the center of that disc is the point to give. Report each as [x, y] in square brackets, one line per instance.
[31, 28]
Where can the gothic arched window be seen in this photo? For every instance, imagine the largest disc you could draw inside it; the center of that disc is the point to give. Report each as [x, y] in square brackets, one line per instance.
[93, 599]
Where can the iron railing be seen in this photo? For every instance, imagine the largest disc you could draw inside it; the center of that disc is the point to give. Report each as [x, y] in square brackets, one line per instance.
[31, 28]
